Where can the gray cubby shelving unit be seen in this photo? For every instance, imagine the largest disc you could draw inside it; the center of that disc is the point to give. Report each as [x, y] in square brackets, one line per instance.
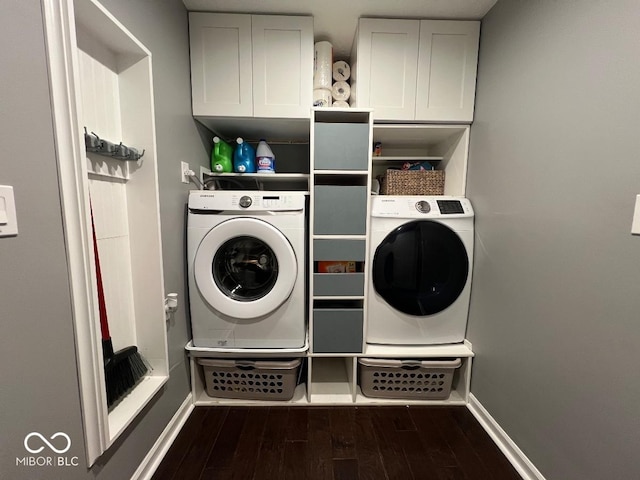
[340, 180]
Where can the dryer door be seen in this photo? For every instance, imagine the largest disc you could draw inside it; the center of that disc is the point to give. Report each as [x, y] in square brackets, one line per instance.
[420, 268]
[245, 268]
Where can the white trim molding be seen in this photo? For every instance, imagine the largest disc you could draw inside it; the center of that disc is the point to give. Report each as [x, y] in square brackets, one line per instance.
[60, 44]
[150, 464]
[518, 459]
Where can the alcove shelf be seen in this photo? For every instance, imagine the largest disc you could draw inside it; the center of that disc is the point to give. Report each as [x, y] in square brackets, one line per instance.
[114, 98]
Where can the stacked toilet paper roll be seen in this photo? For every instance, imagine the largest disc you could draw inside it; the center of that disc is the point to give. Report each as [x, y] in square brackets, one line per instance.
[341, 71]
[341, 91]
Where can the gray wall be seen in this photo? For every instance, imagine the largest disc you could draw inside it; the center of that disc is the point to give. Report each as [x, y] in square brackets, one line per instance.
[554, 170]
[39, 389]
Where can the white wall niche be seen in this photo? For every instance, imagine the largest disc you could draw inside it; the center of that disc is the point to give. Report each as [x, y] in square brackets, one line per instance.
[101, 78]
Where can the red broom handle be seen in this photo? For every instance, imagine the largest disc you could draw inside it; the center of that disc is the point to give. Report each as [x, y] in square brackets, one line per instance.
[102, 306]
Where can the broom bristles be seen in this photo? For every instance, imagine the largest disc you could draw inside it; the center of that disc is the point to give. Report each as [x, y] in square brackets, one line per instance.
[122, 372]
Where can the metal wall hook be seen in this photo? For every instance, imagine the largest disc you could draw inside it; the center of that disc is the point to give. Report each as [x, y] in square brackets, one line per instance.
[93, 143]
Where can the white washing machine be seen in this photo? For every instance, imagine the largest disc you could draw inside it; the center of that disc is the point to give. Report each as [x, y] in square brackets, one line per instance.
[421, 260]
[246, 268]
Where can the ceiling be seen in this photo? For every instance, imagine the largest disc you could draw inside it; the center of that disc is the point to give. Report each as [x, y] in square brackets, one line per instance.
[336, 20]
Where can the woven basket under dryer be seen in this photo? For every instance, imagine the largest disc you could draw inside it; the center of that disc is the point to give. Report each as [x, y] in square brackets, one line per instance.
[413, 182]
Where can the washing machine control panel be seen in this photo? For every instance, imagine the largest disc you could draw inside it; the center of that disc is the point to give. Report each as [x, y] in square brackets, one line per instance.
[245, 201]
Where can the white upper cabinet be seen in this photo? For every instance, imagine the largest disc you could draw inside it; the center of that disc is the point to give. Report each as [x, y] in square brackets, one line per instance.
[251, 65]
[388, 66]
[447, 65]
[282, 66]
[417, 70]
[221, 64]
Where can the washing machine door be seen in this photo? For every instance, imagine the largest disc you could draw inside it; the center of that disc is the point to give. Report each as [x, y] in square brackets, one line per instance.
[420, 268]
[245, 268]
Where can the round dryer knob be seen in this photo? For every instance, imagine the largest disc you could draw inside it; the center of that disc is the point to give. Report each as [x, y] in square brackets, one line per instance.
[423, 206]
[245, 201]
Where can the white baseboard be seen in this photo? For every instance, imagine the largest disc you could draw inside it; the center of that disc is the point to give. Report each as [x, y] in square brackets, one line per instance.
[518, 459]
[151, 462]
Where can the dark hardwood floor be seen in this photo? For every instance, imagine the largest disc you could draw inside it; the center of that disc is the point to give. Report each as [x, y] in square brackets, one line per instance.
[336, 443]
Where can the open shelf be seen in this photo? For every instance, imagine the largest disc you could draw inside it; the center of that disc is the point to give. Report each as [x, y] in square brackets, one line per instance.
[418, 351]
[331, 380]
[263, 176]
[244, 353]
[131, 405]
[332, 377]
[445, 146]
[417, 136]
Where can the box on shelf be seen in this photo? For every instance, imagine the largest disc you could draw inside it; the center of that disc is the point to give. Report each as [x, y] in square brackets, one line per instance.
[407, 379]
[250, 379]
[413, 182]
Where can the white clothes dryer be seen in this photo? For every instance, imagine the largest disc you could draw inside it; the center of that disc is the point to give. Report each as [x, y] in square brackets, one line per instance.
[246, 268]
[421, 263]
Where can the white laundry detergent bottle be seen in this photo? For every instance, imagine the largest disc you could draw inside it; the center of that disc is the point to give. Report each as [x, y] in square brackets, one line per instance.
[265, 159]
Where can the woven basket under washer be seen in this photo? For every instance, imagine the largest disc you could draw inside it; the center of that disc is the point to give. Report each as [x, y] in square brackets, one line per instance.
[410, 379]
[413, 182]
[250, 379]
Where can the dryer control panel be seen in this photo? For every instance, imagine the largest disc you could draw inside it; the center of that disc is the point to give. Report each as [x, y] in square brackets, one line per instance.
[420, 207]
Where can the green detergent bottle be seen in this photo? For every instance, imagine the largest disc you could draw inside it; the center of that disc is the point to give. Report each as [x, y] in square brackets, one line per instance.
[221, 156]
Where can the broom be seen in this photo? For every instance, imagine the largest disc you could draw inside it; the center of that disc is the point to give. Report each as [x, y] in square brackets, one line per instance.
[124, 368]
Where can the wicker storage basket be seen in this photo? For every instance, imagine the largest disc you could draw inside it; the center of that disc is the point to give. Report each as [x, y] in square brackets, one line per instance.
[250, 379]
[413, 182]
[408, 379]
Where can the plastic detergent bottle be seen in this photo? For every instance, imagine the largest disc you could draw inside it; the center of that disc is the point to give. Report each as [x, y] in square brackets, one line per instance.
[244, 157]
[265, 159]
[221, 156]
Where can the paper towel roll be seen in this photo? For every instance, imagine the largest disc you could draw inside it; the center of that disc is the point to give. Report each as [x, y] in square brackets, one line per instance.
[341, 91]
[340, 104]
[323, 65]
[321, 97]
[341, 71]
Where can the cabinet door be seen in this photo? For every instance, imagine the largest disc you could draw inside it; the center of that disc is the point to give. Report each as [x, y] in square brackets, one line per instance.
[447, 70]
[387, 67]
[282, 66]
[221, 64]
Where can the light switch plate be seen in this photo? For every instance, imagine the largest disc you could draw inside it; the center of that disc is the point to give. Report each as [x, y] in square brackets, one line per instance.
[8, 219]
[635, 224]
